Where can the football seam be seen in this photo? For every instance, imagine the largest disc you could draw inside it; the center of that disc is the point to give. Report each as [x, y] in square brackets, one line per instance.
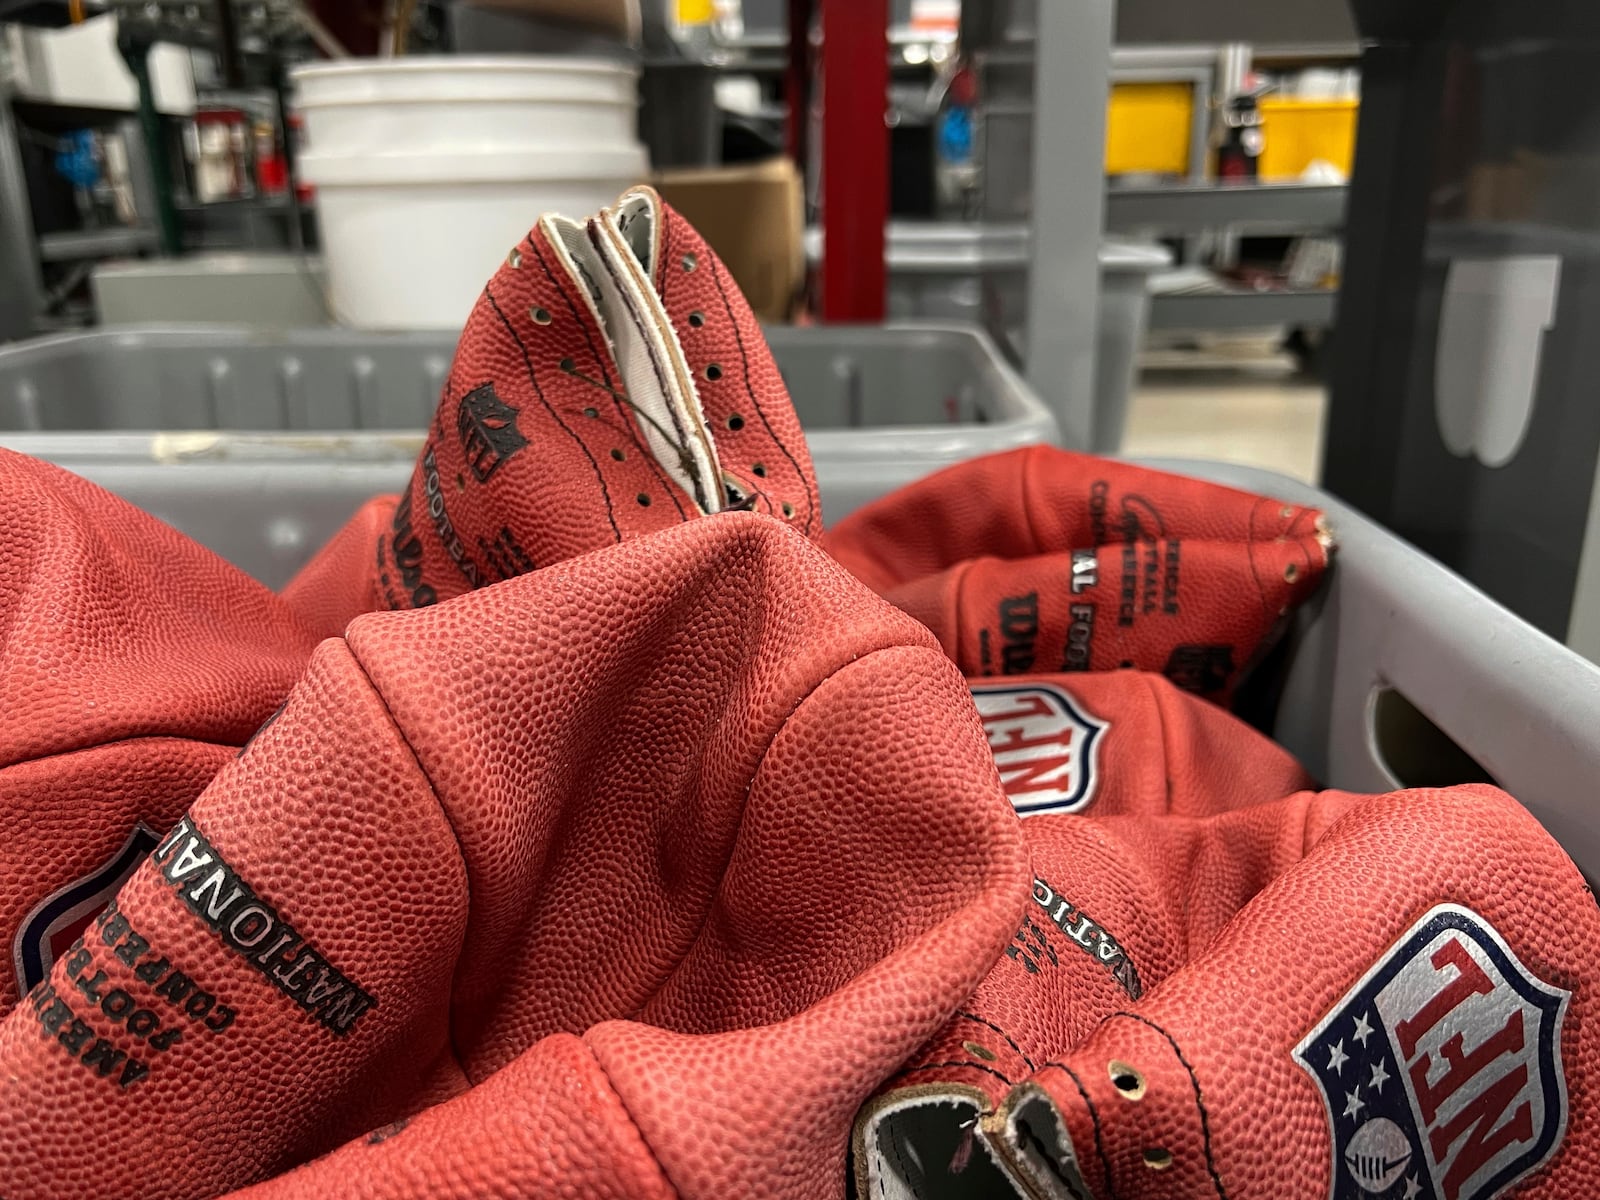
[807, 482]
[633, 1122]
[1163, 732]
[1094, 1120]
[605, 375]
[706, 491]
[1199, 1102]
[1029, 457]
[533, 379]
[970, 1016]
[1250, 555]
[755, 775]
[969, 1066]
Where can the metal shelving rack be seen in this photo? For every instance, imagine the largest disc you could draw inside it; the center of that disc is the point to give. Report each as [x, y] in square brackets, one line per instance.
[1184, 208]
[1060, 55]
[250, 44]
[1265, 208]
[24, 258]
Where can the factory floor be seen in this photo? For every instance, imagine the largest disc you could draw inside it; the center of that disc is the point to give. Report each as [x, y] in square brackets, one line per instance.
[1260, 413]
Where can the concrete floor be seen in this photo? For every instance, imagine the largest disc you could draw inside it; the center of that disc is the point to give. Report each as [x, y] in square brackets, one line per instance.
[1263, 415]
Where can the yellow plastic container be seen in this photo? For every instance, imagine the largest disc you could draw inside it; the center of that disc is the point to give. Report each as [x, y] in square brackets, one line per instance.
[1298, 132]
[1147, 128]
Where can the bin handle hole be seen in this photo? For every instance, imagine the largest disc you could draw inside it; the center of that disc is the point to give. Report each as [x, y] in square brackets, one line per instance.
[1415, 751]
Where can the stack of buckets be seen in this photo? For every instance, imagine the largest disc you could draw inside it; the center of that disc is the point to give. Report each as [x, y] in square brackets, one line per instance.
[428, 170]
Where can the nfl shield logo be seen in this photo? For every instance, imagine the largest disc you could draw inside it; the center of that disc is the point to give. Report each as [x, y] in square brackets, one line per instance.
[58, 919]
[1441, 1069]
[1046, 745]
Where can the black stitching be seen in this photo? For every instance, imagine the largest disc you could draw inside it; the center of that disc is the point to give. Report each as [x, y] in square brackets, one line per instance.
[627, 422]
[1094, 1119]
[744, 357]
[971, 1066]
[1199, 1103]
[538, 391]
[991, 1025]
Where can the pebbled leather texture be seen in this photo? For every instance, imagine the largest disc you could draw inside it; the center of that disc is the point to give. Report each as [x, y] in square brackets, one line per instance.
[1041, 560]
[337, 584]
[1216, 1078]
[1120, 902]
[133, 664]
[537, 453]
[1253, 933]
[604, 850]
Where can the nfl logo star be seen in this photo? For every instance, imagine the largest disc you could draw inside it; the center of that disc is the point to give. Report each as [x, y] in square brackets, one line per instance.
[1046, 745]
[1441, 1069]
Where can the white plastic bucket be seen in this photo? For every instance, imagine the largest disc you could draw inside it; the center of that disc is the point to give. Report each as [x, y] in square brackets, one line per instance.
[410, 239]
[451, 105]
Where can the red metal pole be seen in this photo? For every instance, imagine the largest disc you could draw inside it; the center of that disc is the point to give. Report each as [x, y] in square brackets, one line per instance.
[855, 158]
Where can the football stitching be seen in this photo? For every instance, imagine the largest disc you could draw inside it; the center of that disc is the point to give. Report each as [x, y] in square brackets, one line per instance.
[1199, 1103]
[971, 1066]
[991, 1025]
[702, 496]
[744, 357]
[899, 1158]
[1094, 1119]
[605, 375]
[527, 362]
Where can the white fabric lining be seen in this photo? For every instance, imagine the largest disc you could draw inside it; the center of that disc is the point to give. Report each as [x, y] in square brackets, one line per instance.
[577, 256]
[670, 371]
[644, 358]
[638, 219]
[1032, 1104]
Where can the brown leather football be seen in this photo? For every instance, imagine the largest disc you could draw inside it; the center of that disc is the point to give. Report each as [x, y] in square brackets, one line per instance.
[1043, 560]
[638, 872]
[133, 663]
[611, 381]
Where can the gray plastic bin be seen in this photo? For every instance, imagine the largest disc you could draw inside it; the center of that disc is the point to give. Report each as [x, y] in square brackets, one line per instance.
[978, 274]
[274, 438]
[1399, 669]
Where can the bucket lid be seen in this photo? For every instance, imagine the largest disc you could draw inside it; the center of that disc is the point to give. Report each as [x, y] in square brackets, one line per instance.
[466, 66]
[442, 81]
[555, 162]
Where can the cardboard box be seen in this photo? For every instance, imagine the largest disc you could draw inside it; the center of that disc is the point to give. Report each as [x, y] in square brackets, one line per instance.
[753, 217]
